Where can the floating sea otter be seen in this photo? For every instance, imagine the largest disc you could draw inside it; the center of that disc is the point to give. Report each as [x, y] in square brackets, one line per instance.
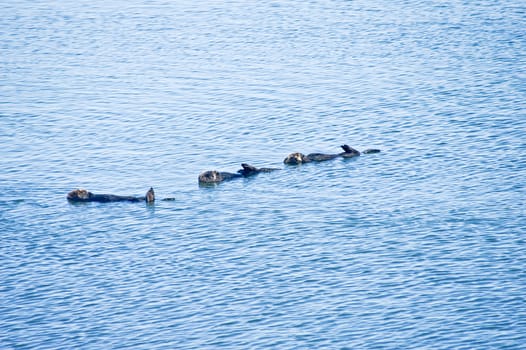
[214, 176]
[300, 158]
[81, 195]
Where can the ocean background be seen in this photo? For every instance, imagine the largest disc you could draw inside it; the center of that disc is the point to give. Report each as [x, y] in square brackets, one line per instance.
[421, 246]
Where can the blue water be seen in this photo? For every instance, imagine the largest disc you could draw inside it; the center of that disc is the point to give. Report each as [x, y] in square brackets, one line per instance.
[421, 246]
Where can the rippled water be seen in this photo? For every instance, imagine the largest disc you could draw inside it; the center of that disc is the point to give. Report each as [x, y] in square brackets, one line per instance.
[421, 246]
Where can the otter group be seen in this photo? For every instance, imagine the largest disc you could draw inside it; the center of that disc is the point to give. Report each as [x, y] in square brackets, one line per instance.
[214, 177]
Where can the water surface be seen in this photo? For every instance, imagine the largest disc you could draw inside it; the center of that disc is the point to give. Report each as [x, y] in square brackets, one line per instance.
[419, 246]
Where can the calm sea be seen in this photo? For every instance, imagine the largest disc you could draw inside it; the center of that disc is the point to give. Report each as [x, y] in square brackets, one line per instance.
[421, 246]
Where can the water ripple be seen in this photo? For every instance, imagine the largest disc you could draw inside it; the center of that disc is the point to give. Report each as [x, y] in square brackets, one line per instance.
[419, 246]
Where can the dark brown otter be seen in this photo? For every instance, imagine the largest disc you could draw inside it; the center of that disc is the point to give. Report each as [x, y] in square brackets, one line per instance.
[80, 196]
[300, 158]
[214, 176]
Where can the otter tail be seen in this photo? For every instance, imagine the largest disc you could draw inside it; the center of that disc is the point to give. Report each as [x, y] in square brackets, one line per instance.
[371, 150]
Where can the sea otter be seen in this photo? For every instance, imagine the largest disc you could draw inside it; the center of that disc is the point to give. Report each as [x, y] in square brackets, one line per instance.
[348, 152]
[81, 195]
[214, 176]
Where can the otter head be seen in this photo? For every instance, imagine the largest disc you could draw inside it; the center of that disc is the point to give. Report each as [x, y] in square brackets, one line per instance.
[210, 176]
[78, 195]
[295, 158]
